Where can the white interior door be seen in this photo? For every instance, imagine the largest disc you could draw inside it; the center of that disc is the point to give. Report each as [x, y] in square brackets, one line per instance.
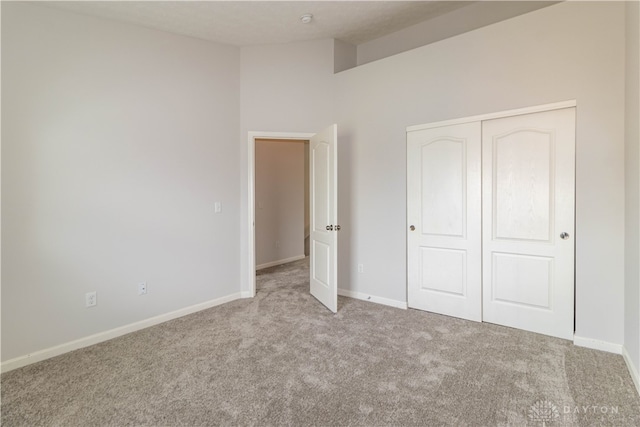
[528, 165]
[444, 215]
[324, 226]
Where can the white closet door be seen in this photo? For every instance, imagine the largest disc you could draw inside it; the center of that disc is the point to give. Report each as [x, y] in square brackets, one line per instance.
[528, 165]
[443, 213]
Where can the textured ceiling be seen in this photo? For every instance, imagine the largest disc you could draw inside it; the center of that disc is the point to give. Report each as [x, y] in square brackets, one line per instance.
[243, 23]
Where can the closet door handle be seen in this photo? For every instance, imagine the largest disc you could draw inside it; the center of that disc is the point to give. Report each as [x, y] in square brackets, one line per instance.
[329, 227]
[564, 235]
[412, 228]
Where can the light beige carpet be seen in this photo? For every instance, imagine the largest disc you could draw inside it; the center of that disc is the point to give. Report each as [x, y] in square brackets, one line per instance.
[283, 359]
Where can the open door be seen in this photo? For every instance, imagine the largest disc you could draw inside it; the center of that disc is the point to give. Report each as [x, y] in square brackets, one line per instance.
[324, 217]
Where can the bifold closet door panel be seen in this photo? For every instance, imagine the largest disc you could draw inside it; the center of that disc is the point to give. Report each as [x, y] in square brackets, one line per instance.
[443, 214]
[528, 198]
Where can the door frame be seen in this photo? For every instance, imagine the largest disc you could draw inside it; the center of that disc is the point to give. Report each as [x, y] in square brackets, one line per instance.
[251, 202]
[497, 115]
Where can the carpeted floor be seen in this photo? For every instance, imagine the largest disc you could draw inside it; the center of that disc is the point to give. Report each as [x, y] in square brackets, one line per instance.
[283, 359]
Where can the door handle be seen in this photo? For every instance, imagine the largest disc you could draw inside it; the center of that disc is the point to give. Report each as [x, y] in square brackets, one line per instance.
[412, 228]
[329, 227]
[564, 235]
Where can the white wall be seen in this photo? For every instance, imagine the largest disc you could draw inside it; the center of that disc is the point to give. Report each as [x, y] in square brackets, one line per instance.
[116, 142]
[285, 88]
[632, 195]
[566, 51]
[470, 17]
[280, 199]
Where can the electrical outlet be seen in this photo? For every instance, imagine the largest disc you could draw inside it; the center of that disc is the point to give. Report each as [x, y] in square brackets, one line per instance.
[360, 268]
[142, 288]
[217, 207]
[90, 299]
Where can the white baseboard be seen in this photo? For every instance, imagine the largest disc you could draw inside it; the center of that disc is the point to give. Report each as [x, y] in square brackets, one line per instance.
[633, 370]
[372, 298]
[597, 344]
[48, 353]
[280, 261]
[246, 294]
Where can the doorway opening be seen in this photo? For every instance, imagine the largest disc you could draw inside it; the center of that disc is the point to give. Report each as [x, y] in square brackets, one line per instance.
[323, 211]
[281, 204]
[271, 240]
